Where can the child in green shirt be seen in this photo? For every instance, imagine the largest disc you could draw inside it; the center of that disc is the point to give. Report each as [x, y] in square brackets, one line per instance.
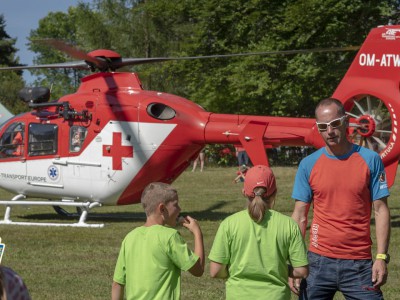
[152, 256]
[252, 248]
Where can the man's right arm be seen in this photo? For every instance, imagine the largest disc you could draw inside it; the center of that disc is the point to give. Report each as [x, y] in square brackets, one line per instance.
[300, 215]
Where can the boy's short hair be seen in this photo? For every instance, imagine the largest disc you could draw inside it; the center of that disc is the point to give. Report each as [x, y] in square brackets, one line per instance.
[156, 193]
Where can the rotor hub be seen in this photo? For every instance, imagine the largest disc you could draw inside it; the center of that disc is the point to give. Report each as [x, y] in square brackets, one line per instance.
[104, 53]
[366, 126]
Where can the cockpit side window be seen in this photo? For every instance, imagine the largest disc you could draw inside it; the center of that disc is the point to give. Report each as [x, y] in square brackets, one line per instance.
[12, 141]
[43, 139]
[77, 136]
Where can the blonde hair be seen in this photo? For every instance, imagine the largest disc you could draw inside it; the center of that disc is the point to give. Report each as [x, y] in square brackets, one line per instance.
[156, 193]
[259, 204]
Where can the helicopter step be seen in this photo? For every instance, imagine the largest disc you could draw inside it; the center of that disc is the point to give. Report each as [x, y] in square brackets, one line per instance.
[84, 206]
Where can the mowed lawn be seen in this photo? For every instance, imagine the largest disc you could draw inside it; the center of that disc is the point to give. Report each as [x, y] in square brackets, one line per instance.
[78, 263]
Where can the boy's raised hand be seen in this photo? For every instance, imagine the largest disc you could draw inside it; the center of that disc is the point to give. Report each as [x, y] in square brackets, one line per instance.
[193, 226]
[190, 224]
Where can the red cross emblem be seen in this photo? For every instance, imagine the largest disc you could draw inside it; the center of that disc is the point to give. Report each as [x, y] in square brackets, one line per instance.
[117, 151]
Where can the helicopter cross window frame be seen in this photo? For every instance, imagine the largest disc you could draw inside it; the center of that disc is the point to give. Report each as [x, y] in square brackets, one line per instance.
[43, 139]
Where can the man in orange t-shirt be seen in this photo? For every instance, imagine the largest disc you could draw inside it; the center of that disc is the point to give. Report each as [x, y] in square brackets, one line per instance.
[343, 182]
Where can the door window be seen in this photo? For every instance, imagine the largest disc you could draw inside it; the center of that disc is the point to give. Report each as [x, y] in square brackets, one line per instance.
[43, 139]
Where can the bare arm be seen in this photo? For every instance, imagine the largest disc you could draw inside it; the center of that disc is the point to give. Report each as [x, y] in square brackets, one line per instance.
[117, 291]
[382, 225]
[300, 215]
[218, 270]
[191, 224]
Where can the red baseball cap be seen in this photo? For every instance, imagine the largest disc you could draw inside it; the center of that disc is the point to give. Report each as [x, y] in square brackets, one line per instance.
[259, 176]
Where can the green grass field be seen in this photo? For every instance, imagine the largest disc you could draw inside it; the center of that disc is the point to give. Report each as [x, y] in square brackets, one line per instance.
[75, 263]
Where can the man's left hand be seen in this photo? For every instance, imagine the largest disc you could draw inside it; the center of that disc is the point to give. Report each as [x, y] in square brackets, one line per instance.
[379, 273]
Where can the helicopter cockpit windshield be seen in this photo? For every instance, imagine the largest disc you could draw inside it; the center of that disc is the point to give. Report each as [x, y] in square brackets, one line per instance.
[12, 140]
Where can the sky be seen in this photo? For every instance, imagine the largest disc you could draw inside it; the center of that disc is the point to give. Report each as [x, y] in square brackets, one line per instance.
[22, 16]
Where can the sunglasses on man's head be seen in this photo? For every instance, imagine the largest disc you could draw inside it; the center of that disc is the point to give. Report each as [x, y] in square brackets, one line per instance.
[333, 124]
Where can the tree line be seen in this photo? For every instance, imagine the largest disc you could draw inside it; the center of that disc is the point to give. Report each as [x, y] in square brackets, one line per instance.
[276, 85]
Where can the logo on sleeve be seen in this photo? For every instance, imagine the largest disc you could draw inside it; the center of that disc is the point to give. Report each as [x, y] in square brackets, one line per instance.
[382, 177]
[382, 181]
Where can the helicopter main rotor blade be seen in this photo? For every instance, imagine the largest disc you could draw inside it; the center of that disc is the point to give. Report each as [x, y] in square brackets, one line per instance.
[137, 61]
[70, 65]
[103, 65]
[73, 51]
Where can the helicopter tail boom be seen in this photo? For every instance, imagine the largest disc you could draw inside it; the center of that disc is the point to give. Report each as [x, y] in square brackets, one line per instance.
[255, 133]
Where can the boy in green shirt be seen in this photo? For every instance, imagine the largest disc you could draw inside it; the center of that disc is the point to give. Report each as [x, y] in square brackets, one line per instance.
[152, 256]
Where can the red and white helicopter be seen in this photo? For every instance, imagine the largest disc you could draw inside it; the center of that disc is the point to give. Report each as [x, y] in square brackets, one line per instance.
[103, 144]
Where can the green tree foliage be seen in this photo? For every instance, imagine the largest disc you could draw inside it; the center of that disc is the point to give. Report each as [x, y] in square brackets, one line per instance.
[279, 85]
[61, 26]
[10, 81]
[143, 29]
[323, 24]
[270, 85]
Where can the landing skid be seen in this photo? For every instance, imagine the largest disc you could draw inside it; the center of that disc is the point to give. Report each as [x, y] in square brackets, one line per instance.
[83, 206]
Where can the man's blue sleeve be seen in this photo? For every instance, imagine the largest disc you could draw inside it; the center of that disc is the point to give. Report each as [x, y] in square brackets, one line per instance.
[301, 189]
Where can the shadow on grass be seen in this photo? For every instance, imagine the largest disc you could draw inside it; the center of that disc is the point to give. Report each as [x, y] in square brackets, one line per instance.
[212, 213]
[111, 217]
